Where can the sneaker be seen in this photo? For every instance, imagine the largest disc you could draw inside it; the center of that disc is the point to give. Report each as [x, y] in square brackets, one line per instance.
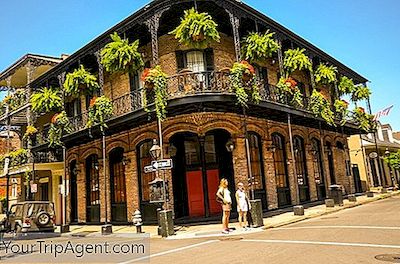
[225, 232]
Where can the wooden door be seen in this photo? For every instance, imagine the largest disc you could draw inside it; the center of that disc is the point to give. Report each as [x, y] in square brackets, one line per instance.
[212, 183]
[194, 181]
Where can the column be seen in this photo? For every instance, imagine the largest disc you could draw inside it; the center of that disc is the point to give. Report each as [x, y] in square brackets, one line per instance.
[132, 184]
[153, 24]
[311, 172]
[240, 161]
[101, 71]
[269, 174]
[280, 58]
[235, 22]
[81, 192]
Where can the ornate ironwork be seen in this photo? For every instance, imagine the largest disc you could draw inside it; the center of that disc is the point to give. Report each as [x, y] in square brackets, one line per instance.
[101, 70]
[235, 22]
[153, 24]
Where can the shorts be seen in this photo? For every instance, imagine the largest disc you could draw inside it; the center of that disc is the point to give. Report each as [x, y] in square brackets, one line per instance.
[226, 207]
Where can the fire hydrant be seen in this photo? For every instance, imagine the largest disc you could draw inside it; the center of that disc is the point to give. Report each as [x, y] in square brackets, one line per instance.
[137, 221]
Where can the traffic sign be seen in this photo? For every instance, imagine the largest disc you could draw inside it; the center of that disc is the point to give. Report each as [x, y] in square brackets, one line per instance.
[165, 164]
[148, 169]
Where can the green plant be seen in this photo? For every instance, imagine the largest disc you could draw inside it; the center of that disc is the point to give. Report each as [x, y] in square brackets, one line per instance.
[156, 79]
[30, 131]
[258, 46]
[393, 160]
[325, 74]
[80, 80]
[120, 56]
[365, 121]
[16, 158]
[59, 126]
[288, 92]
[244, 83]
[360, 92]
[346, 85]
[296, 60]
[341, 109]
[320, 107]
[46, 100]
[15, 100]
[196, 29]
[100, 110]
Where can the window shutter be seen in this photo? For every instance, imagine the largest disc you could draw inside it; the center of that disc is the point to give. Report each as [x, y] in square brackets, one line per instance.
[180, 60]
[209, 59]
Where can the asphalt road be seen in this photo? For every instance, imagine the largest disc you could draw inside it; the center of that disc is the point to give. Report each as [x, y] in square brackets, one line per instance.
[362, 234]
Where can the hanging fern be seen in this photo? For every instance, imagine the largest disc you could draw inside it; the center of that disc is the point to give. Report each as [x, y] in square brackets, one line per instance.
[287, 91]
[46, 100]
[320, 107]
[341, 109]
[296, 60]
[325, 74]
[30, 132]
[16, 100]
[364, 120]
[244, 83]
[100, 110]
[156, 79]
[258, 46]
[196, 29]
[346, 85]
[59, 126]
[360, 92]
[80, 80]
[120, 56]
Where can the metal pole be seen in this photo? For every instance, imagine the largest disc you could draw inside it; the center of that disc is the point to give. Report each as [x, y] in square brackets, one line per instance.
[248, 158]
[166, 207]
[64, 200]
[105, 177]
[293, 160]
[325, 172]
[8, 150]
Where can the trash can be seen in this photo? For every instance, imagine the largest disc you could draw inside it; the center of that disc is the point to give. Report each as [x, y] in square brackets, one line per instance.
[335, 193]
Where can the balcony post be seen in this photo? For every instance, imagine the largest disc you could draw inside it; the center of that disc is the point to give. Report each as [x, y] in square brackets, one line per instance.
[153, 24]
[30, 69]
[280, 58]
[101, 71]
[8, 147]
[235, 22]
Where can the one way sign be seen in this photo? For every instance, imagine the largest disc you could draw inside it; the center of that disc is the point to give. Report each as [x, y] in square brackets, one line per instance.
[165, 164]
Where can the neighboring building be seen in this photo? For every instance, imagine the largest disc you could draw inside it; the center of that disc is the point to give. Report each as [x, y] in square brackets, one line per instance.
[203, 118]
[367, 157]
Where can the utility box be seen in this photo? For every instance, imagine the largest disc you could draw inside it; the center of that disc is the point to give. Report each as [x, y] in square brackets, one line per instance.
[256, 213]
[335, 193]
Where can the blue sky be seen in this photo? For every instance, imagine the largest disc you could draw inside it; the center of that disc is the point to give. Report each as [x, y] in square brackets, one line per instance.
[364, 35]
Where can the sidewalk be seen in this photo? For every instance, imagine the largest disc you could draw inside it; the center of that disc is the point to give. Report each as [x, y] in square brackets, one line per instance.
[214, 230]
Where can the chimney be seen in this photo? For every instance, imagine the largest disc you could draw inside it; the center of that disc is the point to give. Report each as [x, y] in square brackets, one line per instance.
[64, 56]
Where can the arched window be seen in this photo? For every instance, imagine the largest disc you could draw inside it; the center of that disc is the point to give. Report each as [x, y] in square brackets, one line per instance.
[256, 160]
[301, 168]
[281, 170]
[318, 168]
[331, 164]
[117, 185]
[92, 189]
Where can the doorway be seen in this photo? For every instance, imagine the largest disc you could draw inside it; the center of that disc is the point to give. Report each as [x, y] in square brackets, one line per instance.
[118, 187]
[74, 192]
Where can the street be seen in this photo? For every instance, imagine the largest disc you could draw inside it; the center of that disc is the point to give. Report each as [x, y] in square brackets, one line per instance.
[362, 234]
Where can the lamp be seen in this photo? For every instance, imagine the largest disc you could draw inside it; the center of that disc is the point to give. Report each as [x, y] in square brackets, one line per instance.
[387, 152]
[155, 150]
[230, 146]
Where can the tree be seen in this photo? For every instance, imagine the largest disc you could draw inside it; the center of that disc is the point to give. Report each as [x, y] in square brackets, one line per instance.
[393, 160]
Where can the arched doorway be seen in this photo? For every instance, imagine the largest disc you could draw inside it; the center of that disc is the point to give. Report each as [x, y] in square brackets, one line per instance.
[73, 192]
[281, 170]
[117, 186]
[92, 189]
[318, 168]
[301, 169]
[330, 163]
[200, 163]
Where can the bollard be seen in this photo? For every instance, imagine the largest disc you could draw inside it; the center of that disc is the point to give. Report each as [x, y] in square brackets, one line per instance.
[330, 203]
[256, 213]
[298, 210]
[166, 223]
[335, 193]
[137, 221]
[370, 194]
[352, 198]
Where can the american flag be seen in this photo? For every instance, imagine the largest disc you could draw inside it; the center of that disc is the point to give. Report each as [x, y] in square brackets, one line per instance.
[384, 112]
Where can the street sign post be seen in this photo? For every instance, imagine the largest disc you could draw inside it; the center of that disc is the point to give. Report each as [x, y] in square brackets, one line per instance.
[165, 164]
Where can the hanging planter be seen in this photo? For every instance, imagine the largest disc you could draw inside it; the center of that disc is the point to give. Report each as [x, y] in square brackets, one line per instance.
[360, 92]
[120, 56]
[15, 100]
[59, 126]
[296, 60]
[196, 29]
[100, 110]
[287, 91]
[30, 132]
[258, 47]
[325, 74]
[80, 80]
[320, 107]
[46, 100]
[156, 79]
[341, 109]
[364, 120]
[346, 86]
[244, 83]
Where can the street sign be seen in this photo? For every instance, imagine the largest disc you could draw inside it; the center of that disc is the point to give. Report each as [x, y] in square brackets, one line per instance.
[148, 169]
[165, 164]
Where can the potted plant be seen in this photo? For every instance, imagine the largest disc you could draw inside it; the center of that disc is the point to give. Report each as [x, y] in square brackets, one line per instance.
[156, 79]
[257, 46]
[320, 107]
[296, 60]
[100, 110]
[325, 74]
[360, 92]
[80, 80]
[365, 121]
[46, 100]
[30, 132]
[59, 125]
[287, 91]
[341, 109]
[196, 29]
[244, 83]
[121, 56]
[346, 85]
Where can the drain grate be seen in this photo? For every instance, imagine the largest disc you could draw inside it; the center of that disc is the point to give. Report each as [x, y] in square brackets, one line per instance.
[393, 258]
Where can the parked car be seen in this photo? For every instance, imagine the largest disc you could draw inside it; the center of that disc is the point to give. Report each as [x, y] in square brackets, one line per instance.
[32, 216]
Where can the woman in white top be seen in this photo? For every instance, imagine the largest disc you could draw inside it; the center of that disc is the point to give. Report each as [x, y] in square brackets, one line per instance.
[224, 196]
[242, 205]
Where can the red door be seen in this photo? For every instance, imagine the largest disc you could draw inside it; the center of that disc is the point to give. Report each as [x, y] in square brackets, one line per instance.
[213, 183]
[194, 181]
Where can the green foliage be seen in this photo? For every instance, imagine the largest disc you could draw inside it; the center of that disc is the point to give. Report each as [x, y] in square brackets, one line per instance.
[244, 83]
[78, 80]
[156, 79]
[296, 60]
[256, 46]
[60, 125]
[360, 92]
[364, 120]
[346, 85]
[100, 110]
[393, 160]
[325, 74]
[288, 92]
[320, 107]
[120, 56]
[16, 100]
[17, 157]
[30, 131]
[46, 100]
[196, 29]
[341, 109]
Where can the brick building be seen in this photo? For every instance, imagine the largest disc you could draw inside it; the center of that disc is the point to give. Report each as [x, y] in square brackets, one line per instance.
[292, 153]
